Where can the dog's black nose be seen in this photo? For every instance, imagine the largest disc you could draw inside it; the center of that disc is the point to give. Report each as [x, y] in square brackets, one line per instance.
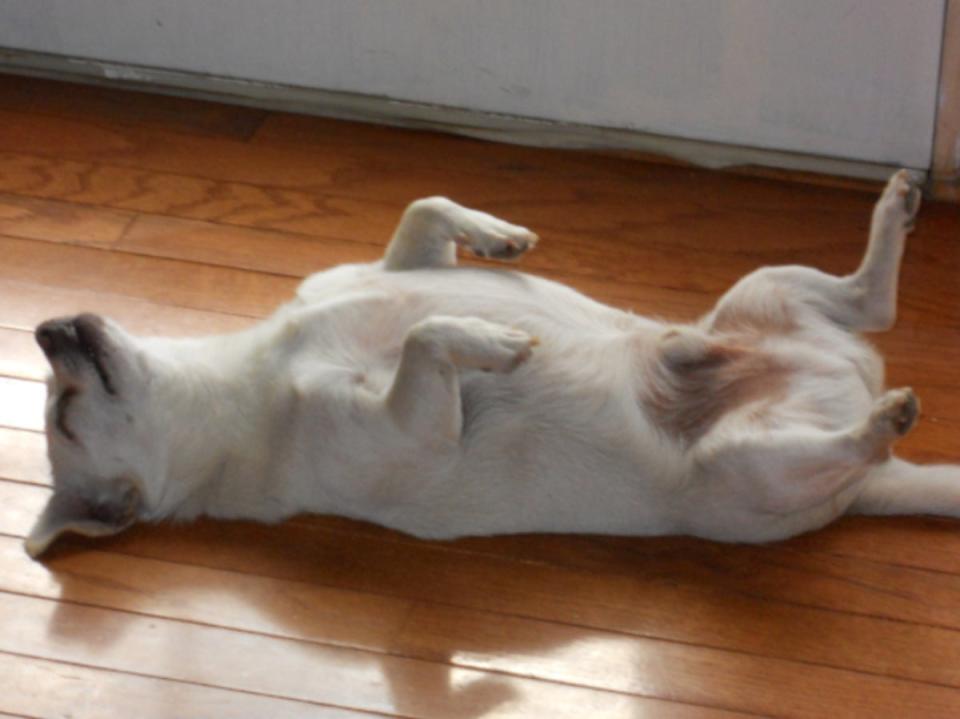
[54, 335]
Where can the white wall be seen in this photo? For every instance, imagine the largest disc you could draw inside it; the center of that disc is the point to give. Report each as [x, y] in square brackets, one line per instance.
[844, 78]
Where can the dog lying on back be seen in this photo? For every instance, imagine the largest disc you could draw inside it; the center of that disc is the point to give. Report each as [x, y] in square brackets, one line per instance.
[447, 401]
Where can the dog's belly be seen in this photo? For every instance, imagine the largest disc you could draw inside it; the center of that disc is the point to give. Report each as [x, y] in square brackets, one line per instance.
[559, 444]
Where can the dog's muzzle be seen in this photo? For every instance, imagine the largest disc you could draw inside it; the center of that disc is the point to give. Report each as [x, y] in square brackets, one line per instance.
[71, 340]
[83, 334]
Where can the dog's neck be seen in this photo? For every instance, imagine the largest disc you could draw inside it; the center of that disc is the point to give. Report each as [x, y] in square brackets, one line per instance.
[206, 402]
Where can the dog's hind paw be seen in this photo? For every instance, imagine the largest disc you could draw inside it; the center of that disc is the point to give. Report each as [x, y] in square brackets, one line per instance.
[893, 415]
[896, 412]
[900, 201]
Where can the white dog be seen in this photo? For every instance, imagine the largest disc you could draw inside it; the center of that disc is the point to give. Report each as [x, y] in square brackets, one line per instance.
[447, 401]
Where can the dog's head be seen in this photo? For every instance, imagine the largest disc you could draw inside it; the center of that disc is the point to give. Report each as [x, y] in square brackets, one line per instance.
[96, 438]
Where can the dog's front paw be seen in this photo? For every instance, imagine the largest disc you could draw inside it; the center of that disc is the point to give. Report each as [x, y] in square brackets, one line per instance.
[491, 237]
[493, 347]
[471, 342]
[900, 200]
[515, 347]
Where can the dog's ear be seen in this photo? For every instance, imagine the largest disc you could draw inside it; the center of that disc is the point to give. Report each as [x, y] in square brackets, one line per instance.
[99, 511]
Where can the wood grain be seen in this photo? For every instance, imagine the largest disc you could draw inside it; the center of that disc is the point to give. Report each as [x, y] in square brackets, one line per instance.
[229, 202]
[25, 305]
[61, 221]
[282, 253]
[178, 217]
[168, 282]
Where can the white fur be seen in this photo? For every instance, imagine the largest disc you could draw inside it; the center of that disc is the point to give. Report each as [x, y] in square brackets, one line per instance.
[446, 401]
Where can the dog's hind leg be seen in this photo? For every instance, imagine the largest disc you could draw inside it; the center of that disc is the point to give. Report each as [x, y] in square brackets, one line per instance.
[431, 229]
[792, 470]
[865, 301]
[900, 487]
[874, 303]
[424, 399]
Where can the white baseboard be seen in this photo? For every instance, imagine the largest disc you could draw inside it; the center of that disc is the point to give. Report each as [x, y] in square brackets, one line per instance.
[471, 123]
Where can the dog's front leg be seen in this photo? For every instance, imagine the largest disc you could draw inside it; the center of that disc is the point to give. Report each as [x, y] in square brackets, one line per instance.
[424, 399]
[431, 229]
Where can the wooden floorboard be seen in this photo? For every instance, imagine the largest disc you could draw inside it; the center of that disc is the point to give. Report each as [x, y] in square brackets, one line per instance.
[305, 671]
[181, 217]
[40, 688]
[30, 218]
[508, 644]
[26, 304]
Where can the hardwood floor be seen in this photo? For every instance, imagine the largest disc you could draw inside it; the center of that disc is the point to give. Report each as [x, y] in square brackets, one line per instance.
[175, 216]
